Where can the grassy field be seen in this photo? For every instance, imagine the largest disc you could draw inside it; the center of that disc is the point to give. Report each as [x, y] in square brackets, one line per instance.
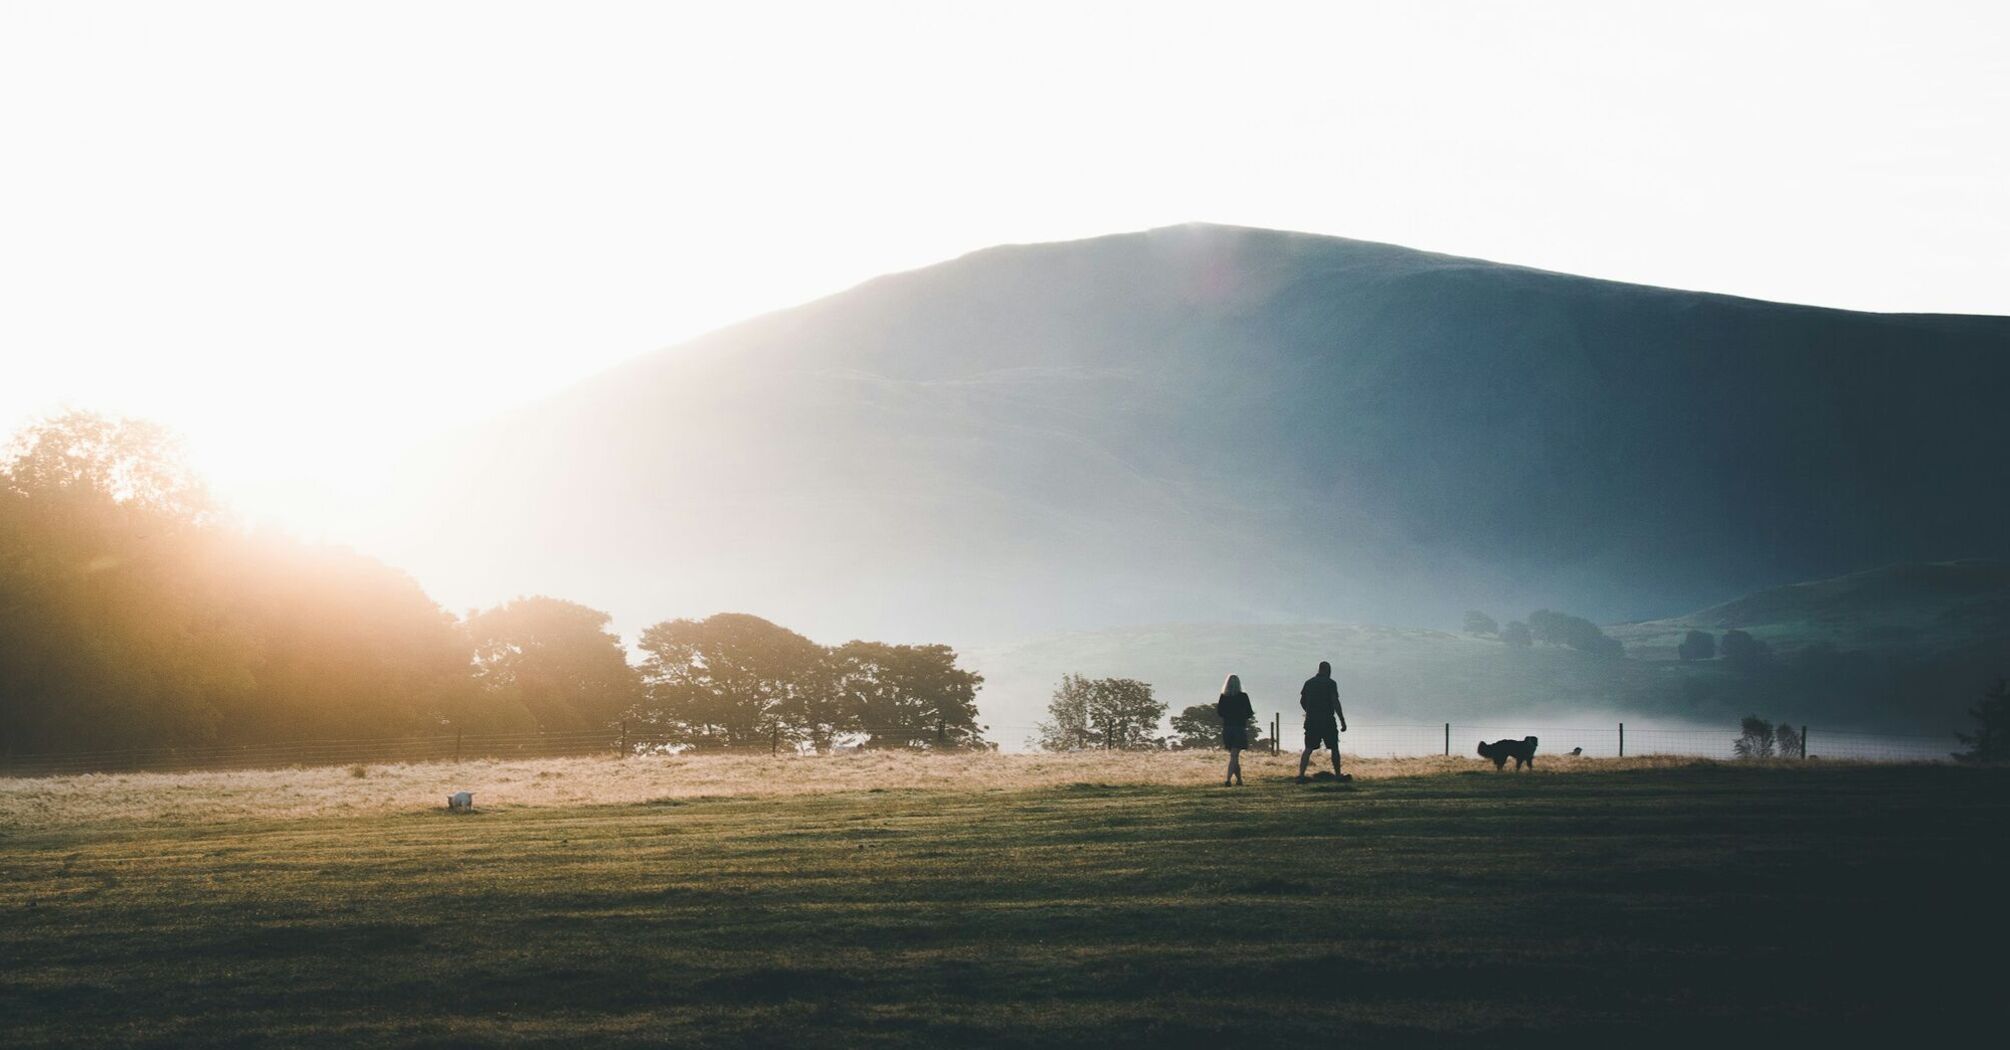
[1643, 903]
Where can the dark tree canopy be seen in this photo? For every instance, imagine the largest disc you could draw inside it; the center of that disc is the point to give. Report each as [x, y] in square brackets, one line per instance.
[1990, 739]
[554, 659]
[1576, 632]
[1517, 635]
[906, 696]
[1481, 625]
[1199, 728]
[734, 680]
[1743, 651]
[132, 618]
[1697, 645]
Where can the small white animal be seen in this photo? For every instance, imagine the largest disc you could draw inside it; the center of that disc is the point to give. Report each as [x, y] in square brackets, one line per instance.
[461, 801]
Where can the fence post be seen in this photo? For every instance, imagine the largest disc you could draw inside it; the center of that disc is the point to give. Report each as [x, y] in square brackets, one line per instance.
[1275, 728]
[1448, 740]
[1622, 740]
[1804, 741]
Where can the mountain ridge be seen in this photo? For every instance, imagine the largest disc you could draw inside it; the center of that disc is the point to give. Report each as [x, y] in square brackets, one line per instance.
[1227, 422]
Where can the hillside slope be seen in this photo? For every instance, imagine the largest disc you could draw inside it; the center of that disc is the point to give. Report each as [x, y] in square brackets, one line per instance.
[1218, 424]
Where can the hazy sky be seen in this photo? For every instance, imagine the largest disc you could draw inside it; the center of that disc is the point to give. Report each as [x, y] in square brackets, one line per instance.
[307, 234]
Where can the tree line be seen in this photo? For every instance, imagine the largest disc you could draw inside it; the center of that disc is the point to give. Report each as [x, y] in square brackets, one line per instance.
[1124, 714]
[134, 614]
[1547, 627]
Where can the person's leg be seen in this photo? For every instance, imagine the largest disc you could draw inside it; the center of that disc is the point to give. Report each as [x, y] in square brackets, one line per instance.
[1336, 761]
[1234, 764]
[1304, 759]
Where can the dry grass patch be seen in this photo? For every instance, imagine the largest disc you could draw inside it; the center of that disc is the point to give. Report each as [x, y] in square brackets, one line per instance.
[126, 799]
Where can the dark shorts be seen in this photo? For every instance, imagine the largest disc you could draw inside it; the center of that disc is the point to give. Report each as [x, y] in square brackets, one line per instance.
[1328, 734]
[1235, 737]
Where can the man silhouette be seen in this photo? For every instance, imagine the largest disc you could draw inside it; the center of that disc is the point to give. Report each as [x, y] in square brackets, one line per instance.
[1324, 721]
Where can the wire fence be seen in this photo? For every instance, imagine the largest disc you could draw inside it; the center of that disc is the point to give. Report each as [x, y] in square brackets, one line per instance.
[1386, 740]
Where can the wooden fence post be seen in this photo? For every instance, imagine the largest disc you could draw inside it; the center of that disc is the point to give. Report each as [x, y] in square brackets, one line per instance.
[1804, 741]
[1622, 740]
[1448, 740]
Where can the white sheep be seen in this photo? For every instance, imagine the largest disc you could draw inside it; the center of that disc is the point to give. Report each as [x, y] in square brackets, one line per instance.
[460, 802]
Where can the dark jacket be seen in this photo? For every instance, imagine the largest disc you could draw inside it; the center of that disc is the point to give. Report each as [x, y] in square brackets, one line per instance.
[1321, 700]
[1234, 708]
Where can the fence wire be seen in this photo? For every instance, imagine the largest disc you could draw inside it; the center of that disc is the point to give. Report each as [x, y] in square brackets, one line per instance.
[1365, 740]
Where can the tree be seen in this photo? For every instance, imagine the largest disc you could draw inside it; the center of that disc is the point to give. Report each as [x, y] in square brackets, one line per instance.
[1126, 714]
[1481, 625]
[908, 696]
[1199, 728]
[1549, 628]
[131, 615]
[1990, 742]
[1787, 740]
[736, 681]
[1576, 632]
[1756, 740]
[1517, 636]
[91, 457]
[1067, 725]
[1743, 651]
[555, 658]
[1697, 645]
[1110, 713]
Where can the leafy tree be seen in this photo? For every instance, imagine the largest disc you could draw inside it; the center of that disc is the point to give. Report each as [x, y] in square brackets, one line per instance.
[1109, 713]
[1126, 714]
[1697, 645]
[1757, 739]
[556, 659]
[1555, 628]
[1517, 635]
[344, 646]
[1199, 728]
[85, 456]
[908, 696]
[735, 681]
[1990, 742]
[1481, 625]
[132, 616]
[1067, 725]
[1787, 740]
[1549, 628]
[1743, 651]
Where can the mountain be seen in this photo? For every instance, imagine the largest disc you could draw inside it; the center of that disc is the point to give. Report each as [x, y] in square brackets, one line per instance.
[1901, 647]
[1217, 424]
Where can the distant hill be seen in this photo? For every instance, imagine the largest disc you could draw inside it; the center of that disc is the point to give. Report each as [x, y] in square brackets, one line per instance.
[1902, 647]
[1918, 609]
[1216, 424]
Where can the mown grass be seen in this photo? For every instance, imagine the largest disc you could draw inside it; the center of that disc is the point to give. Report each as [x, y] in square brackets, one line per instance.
[1639, 905]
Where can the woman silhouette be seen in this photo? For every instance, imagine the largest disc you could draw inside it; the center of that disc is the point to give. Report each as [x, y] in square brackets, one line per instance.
[1236, 711]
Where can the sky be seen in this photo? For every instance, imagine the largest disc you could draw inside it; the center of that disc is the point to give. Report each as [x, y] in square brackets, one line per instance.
[308, 236]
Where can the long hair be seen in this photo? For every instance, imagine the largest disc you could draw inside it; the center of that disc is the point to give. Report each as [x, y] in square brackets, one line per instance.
[1232, 686]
